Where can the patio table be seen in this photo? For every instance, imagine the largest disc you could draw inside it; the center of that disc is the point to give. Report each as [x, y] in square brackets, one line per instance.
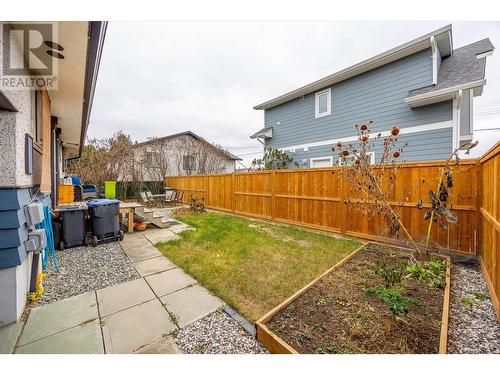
[129, 209]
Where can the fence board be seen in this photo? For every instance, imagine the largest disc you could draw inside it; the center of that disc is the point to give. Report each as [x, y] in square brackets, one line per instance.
[489, 221]
[315, 198]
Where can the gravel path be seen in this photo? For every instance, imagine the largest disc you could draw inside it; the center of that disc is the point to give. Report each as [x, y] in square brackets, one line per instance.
[217, 333]
[473, 327]
[84, 269]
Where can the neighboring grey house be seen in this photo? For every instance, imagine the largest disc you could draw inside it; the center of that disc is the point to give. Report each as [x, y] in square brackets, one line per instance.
[39, 129]
[179, 154]
[425, 87]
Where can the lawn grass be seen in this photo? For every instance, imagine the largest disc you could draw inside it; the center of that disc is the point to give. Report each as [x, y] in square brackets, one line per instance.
[253, 265]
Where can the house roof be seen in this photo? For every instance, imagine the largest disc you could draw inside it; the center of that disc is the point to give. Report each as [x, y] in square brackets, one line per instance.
[461, 68]
[263, 133]
[189, 133]
[442, 37]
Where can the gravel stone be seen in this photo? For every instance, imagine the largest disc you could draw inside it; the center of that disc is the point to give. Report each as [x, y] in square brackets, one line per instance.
[84, 269]
[472, 329]
[217, 333]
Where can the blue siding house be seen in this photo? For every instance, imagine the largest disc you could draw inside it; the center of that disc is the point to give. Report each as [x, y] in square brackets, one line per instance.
[424, 87]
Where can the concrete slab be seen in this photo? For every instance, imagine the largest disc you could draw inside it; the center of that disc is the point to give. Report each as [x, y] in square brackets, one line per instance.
[132, 329]
[135, 242]
[154, 265]
[160, 235]
[181, 228]
[169, 281]
[165, 345]
[132, 236]
[83, 339]
[191, 304]
[55, 317]
[142, 252]
[8, 337]
[123, 296]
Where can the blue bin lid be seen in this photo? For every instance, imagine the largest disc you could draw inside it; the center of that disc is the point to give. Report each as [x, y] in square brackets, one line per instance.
[102, 202]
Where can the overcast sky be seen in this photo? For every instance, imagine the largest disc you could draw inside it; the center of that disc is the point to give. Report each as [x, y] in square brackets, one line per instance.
[159, 78]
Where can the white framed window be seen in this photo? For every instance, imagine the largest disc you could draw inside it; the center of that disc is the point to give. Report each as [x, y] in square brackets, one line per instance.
[323, 103]
[321, 162]
[349, 160]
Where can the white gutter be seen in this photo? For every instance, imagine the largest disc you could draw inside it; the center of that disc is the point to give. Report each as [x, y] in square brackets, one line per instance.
[441, 95]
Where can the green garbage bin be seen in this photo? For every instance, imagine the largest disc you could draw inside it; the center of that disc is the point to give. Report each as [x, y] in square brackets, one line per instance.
[110, 189]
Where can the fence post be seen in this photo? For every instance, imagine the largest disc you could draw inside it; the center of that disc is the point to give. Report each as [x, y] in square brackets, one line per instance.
[233, 189]
[479, 198]
[344, 210]
[206, 183]
[273, 198]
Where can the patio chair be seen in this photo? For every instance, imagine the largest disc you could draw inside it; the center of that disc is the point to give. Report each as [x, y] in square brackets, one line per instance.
[145, 200]
[154, 200]
[170, 197]
[178, 198]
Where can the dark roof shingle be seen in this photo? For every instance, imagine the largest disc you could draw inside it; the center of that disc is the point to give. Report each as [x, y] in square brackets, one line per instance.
[459, 68]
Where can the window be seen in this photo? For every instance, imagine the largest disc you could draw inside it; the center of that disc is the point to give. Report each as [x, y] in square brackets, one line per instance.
[321, 162]
[188, 162]
[349, 160]
[152, 160]
[323, 103]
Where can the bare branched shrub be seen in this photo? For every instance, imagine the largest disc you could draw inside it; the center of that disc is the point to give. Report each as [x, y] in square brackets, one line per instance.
[194, 156]
[103, 159]
[372, 183]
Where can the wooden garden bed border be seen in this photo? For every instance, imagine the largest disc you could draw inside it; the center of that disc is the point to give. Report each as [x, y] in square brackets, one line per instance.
[276, 345]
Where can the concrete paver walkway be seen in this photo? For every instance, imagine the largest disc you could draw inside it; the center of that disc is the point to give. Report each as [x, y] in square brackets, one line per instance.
[138, 316]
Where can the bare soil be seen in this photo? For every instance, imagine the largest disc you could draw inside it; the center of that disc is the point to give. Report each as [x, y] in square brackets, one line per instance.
[337, 316]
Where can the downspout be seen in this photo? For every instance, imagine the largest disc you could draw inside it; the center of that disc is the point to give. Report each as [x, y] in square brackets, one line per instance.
[456, 120]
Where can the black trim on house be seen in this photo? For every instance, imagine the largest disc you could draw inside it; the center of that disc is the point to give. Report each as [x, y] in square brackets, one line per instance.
[97, 33]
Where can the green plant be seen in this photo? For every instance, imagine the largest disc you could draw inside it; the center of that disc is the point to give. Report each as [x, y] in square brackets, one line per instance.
[304, 336]
[469, 301]
[319, 351]
[173, 317]
[273, 159]
[480, 296]
[472, 300]
[430, 273]
[392, 274]
[398, 303]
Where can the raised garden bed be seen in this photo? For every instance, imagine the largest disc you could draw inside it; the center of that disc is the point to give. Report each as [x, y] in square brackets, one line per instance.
[370, 302]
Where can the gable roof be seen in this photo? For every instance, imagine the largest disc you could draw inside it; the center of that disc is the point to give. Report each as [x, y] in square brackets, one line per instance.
[442, 36]
[195, 136]
[461, 68]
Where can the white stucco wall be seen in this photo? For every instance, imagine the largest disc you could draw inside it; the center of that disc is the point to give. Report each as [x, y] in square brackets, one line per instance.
[13, 127]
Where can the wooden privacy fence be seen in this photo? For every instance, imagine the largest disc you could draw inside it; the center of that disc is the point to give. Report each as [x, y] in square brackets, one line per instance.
[489, 249]
[315, 198]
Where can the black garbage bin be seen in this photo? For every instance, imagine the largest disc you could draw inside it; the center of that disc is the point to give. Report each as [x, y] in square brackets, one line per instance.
[105, 222]
[72, 227]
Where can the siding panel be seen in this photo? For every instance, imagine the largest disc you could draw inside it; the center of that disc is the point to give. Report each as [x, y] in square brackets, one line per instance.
[377, 95]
